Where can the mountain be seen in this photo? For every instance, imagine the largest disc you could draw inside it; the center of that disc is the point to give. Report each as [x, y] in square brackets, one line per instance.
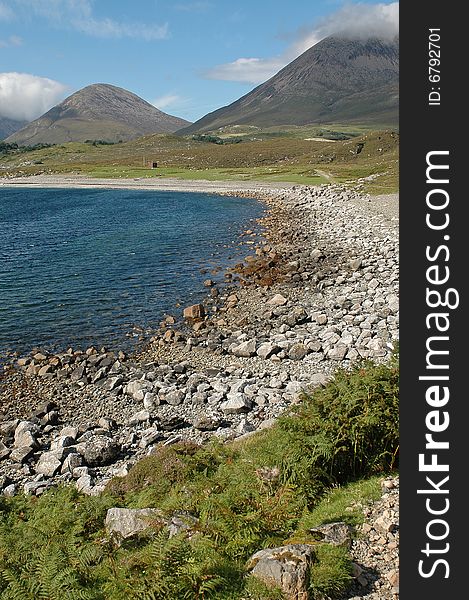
[98, 112]
[9, 126]
[337, 80]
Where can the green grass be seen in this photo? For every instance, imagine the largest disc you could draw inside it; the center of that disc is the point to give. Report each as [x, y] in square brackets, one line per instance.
[275, 154]
[295, 175]
[318, 464]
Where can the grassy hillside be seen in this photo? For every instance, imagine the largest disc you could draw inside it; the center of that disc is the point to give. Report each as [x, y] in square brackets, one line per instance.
[263, 491]
[306, 155]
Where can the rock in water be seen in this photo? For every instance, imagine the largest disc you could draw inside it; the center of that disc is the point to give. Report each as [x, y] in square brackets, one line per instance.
[196, 311]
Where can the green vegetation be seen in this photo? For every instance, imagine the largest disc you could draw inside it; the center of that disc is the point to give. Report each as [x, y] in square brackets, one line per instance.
[101, 142]
[306, 155]
[214, 139]
[324, 457]
[6, 148]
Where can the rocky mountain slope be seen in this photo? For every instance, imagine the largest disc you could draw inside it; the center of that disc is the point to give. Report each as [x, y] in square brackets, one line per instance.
[98, 112]
[337, 80]
[9, 126]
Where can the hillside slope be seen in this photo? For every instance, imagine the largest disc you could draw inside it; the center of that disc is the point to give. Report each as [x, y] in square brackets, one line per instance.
[337, 80]
[98, 111]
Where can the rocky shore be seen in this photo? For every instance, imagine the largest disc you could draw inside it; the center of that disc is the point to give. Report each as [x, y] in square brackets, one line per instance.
[318, 290]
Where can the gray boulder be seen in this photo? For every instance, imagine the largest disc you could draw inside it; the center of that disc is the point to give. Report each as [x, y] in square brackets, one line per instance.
[25, 434]
[245, 349]
[337, 534]
[285, 567]
[98, 450]
[236, 403]
[49, 463]
[123, 523]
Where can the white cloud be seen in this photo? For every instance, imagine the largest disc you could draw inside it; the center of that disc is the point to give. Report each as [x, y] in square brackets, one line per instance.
[78, 14]
[11, 41]
[356, 20]
[168, 100]
[26, 97]
[5, 12]
[362, 21]
[108, 28]
[247, 70]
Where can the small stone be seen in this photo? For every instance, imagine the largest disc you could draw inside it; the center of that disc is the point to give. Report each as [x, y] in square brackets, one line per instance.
[25, 434]
[84, 484]
[355, 263]
[196, 311]
[35, 488]
[48, 464]
[107, 423]
[175, 397]
[141, 417]
[137, 389]
[21, 454]
[112, 383]
[236, 403]
[4, 451]
[150, 400]
[206, 423]
[297, 351]
[45, 370]
[69, 432]
[245, 349]
[338, 352]
[10, 490]
[98, 450]
[337, 534]
[277, 300]
[266, 350]
[149, 437]
[286, 567]
[71, 462]
[316, 254]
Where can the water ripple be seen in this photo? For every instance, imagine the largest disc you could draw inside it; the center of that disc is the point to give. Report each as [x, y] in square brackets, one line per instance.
[83, 266]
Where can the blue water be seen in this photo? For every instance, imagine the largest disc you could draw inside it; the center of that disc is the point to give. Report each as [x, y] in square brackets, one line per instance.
[82, 267]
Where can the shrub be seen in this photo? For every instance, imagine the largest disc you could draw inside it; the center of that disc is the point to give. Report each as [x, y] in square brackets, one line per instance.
[331, 574]
[247, 495]
[345, 430]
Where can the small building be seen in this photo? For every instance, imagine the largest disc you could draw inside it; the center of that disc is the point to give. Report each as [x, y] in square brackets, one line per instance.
[153, 165]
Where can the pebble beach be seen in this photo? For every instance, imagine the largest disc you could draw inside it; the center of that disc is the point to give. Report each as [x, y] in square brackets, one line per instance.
[318, 289]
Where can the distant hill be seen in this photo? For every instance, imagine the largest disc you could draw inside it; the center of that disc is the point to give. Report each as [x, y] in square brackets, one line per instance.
[9, 126]
[335, 81]
[98, 112]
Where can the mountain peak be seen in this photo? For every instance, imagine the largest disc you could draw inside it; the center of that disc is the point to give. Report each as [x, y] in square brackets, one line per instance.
[98, 111]
[337, 80]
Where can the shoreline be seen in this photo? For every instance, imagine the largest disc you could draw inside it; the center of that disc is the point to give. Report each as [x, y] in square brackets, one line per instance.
[320, 291]
[138, 334]
[143, 183]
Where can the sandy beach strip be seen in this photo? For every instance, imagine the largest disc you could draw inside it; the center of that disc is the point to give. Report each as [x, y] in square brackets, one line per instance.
[142, 183]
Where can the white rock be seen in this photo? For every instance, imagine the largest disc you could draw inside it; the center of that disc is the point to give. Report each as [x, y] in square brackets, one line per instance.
[277, 300]
[236, 403]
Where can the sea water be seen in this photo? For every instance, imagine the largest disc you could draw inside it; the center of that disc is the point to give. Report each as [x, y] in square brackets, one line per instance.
[82, 267]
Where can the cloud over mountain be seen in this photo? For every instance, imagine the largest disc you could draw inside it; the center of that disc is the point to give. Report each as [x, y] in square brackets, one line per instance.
[23, 97]
[352, 21]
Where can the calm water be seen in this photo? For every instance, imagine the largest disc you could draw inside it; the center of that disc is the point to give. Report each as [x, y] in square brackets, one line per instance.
[81, 267]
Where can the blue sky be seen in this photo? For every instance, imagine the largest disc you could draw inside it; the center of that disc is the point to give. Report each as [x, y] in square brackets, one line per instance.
[187, 57]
